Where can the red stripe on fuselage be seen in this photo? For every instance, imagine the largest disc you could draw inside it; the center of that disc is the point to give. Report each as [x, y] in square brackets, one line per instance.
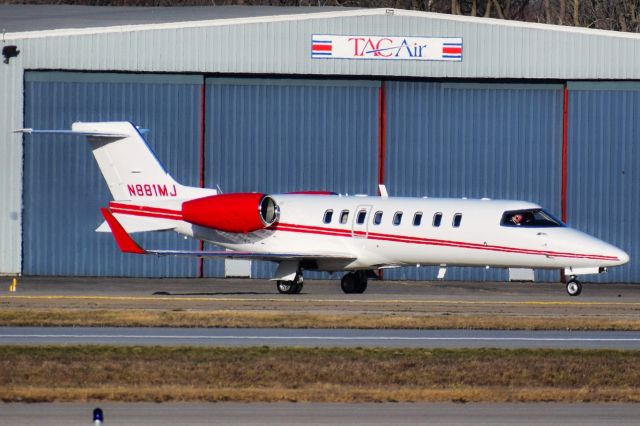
[429, 241]
[145, 208]
[161, 213]
[145, 211]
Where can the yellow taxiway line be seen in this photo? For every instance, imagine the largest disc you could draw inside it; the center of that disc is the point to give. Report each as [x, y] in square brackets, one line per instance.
[302, 301]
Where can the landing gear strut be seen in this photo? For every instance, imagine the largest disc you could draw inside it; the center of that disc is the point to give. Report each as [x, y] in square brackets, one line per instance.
[291, 287]
[574, 287]
[354, 282]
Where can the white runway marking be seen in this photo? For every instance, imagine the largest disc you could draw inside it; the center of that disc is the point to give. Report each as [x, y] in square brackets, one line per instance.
[345, 338]
[340, 338]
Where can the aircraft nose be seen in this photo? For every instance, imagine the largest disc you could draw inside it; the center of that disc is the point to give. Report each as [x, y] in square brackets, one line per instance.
[622, 255]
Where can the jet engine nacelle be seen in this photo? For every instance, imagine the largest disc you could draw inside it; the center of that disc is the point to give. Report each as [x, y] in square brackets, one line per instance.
[239, 212]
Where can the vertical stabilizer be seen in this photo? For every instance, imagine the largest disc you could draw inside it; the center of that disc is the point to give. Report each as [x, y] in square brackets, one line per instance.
[131, 170]
[128, 165]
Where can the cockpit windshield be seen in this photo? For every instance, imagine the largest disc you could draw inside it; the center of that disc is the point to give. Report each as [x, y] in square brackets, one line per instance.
[530, 218]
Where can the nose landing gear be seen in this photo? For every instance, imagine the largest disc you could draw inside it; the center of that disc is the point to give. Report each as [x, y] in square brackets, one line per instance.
[574, 287]
[291, 287]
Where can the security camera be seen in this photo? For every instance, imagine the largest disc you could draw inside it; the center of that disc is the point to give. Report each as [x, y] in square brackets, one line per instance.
[9, 52]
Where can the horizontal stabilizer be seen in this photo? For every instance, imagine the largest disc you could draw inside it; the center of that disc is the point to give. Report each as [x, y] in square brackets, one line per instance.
[73, 132]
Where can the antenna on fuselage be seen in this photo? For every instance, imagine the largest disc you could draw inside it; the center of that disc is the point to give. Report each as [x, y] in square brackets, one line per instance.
[383, 190]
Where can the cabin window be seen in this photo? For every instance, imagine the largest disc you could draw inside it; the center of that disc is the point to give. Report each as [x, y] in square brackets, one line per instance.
[328, 215]
[362, 215]
[377, 218]
[397, 218]
[344, 216]
[417, 219]
[457, 220]
[530, 218]
[437, 219]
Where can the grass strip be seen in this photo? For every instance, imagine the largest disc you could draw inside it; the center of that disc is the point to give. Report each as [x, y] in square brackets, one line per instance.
[117, 373]
[253, 319]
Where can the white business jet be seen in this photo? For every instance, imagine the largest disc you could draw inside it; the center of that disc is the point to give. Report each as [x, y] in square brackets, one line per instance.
[329, 232]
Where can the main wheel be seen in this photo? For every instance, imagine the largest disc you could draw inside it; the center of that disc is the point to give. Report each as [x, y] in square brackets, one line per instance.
[349, 283]
[361, 279]
[286, 287]
[574, 287]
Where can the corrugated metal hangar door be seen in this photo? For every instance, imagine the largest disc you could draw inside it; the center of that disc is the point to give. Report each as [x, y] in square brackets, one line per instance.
[278, 135]
[291, 135]
[501, 141]
[63, 187]
[603, 177]
[261, 135]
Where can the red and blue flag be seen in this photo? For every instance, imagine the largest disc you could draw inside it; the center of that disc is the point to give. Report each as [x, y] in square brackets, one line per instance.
[321, 48]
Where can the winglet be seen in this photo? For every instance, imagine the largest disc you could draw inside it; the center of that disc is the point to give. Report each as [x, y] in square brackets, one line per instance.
[124, 240]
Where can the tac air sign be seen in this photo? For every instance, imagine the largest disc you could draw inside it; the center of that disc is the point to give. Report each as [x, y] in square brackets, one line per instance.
[324, 46]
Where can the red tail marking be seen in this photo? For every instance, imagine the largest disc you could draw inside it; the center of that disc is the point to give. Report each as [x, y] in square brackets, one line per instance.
[124, 240]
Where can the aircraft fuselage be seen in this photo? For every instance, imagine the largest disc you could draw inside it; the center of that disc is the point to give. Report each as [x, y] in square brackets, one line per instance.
[400, 231]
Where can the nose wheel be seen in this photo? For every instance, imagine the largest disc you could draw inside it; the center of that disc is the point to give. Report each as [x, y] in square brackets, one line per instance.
[290, 287]
[574, 287]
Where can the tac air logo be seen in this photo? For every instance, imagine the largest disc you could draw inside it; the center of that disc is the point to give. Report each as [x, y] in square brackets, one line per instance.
[325, 46]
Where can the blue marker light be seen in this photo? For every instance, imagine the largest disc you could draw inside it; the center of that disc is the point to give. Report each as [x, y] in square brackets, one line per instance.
[98, 416]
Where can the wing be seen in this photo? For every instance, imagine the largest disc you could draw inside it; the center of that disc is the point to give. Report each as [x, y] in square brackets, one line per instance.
[128, 245]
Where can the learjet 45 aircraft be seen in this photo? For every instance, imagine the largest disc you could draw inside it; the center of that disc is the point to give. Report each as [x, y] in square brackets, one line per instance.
[329, 232]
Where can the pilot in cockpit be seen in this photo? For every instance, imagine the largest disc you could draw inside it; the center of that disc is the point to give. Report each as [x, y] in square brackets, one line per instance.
[517, 219]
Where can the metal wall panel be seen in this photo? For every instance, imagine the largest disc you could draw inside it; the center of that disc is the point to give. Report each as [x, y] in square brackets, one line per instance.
[10, 167]
[281, 44]
[277, 136]
[63, 187]
[603, 180]
[474, 140]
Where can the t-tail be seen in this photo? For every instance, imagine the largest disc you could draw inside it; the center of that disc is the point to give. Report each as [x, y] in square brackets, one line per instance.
[131, 170]
[133, 174]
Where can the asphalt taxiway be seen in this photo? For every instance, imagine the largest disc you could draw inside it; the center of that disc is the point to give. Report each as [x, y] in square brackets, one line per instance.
[345, 338]
[264, 288]
[611, 301]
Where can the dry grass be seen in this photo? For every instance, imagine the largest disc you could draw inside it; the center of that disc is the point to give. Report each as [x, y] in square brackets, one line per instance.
[78, 373]
[253, 319]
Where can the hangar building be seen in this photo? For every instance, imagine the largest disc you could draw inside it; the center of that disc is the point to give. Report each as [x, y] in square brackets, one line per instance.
[276, 100]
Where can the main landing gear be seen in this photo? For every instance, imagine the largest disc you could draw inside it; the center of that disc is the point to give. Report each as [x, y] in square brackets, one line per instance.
[354, 282]
[574, 287]
[291, 287]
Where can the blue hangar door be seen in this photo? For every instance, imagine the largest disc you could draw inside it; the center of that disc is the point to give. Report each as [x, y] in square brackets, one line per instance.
[63, 187]
[281, 135]
[603, 177]
[501, 141]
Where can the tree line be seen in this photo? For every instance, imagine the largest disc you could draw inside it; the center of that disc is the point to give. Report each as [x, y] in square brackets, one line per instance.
[616, 15]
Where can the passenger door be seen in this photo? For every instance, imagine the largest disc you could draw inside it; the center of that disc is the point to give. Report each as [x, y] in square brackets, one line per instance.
[360, 224]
